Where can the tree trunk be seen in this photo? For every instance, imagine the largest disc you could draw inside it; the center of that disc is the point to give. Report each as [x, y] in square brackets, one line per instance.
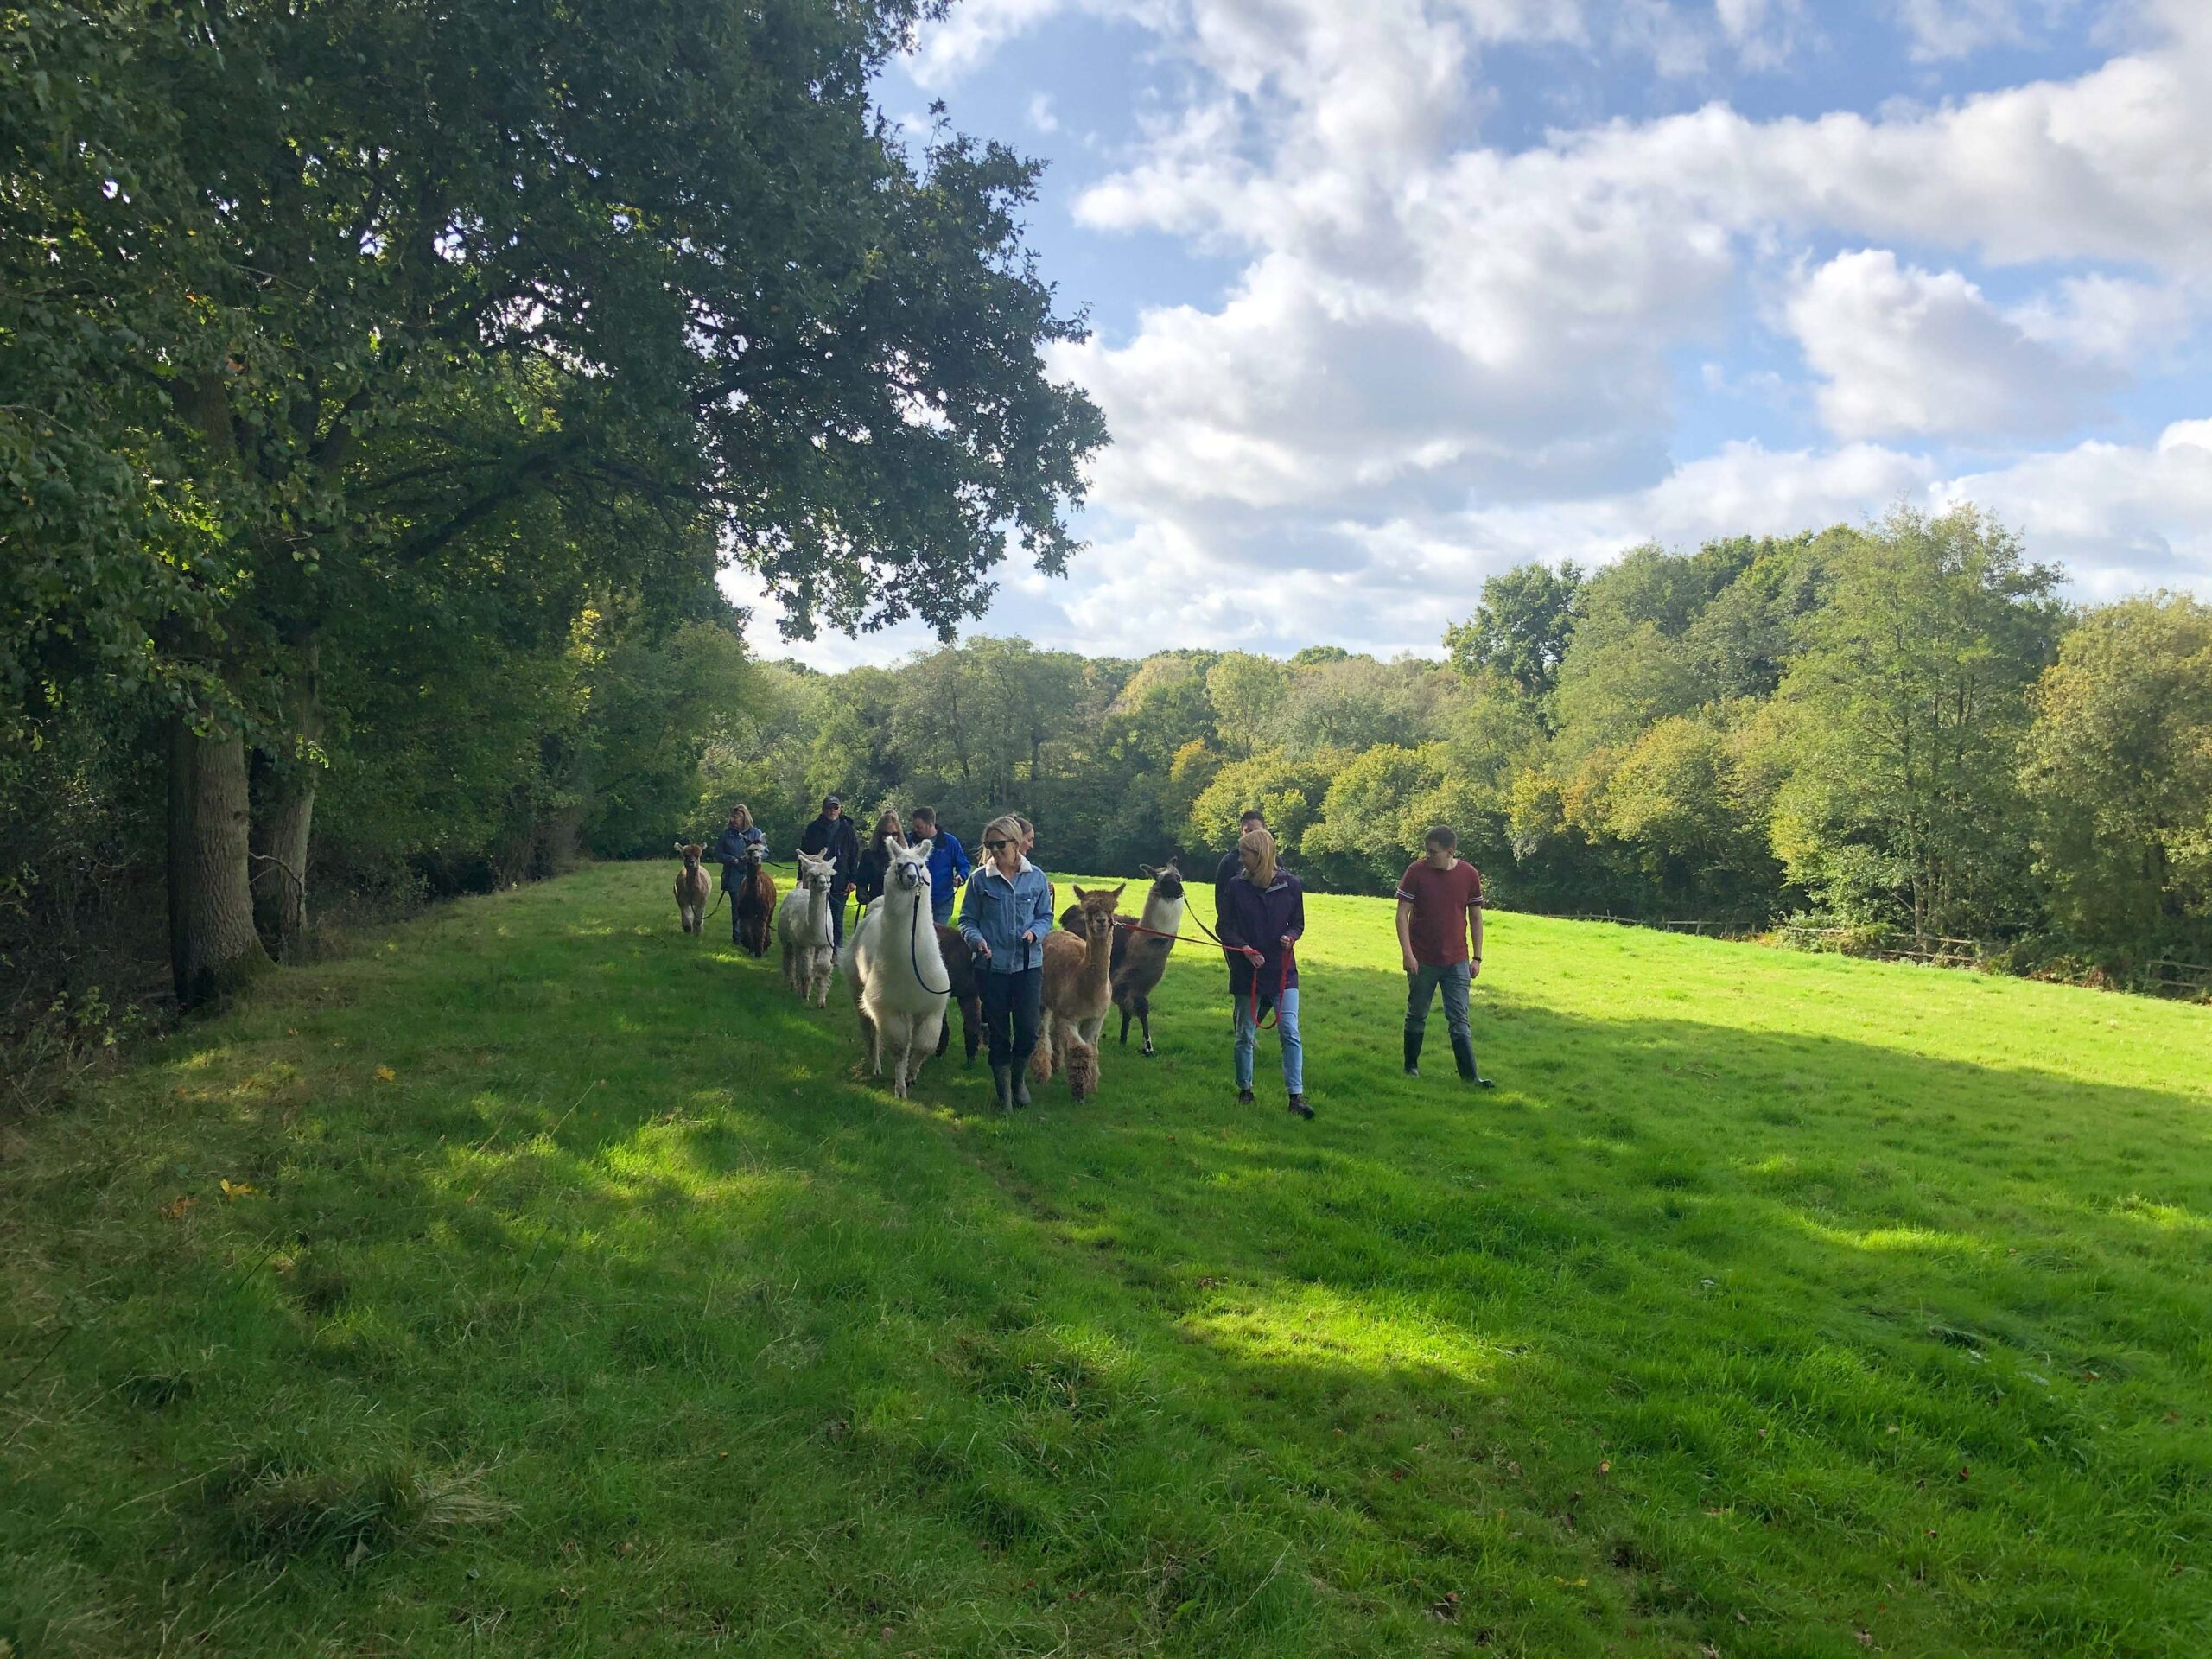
[281, 835]
[213, 946]
[280, 862]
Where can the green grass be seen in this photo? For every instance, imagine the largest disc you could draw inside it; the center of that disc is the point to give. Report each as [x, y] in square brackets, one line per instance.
[587, 1300]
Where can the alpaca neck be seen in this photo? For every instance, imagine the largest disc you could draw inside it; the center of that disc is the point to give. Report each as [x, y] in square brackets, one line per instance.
[1163, 915]
[1097, 967]
[818, 913]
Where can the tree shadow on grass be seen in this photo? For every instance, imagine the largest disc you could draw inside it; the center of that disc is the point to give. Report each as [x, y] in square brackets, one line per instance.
[1613, 1355]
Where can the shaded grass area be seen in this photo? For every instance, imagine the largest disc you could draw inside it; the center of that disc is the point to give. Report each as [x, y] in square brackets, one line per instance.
[571, 1291]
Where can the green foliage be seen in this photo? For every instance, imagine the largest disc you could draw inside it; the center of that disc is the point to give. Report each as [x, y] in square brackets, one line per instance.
[1906, 708]
[1520, 631]
[2119, 771]
[585, 1295]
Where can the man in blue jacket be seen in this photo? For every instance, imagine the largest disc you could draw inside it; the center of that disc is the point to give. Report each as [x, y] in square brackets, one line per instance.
[949, 864]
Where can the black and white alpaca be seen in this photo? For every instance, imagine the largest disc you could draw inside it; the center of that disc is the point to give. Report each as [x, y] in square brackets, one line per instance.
[1141, 959]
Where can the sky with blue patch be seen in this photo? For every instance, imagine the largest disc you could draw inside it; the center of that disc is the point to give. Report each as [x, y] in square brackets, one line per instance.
[1389, 295]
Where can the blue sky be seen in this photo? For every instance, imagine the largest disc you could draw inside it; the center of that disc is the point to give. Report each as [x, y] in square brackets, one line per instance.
[1390, 294]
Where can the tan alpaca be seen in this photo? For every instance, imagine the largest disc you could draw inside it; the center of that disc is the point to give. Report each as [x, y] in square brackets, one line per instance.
[1078, 990]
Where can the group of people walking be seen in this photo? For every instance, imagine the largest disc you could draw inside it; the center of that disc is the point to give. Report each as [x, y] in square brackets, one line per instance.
[1259, 917]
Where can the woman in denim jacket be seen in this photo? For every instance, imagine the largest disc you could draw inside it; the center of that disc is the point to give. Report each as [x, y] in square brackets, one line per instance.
[1004, 917]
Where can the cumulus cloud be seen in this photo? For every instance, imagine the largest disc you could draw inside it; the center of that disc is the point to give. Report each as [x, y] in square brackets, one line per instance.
[1903, 350]
[1442, 355]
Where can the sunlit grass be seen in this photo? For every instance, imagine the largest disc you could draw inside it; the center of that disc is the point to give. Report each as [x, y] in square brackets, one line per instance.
[539, 1280]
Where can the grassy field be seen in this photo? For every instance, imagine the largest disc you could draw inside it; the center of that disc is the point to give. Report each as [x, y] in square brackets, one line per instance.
[540, 1281]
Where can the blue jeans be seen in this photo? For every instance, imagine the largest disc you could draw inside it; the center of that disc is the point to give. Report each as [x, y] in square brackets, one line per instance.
[1294, 1051]
[941, 905]
[1452, 978]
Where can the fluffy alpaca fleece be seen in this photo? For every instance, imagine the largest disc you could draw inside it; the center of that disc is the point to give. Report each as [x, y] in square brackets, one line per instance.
[1078, 990]
[802, 925]
[892, 961]
[691, 888]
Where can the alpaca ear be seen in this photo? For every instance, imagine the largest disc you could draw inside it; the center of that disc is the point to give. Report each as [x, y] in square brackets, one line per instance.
[1080, 895]
[1147, 871]
[1116, 894]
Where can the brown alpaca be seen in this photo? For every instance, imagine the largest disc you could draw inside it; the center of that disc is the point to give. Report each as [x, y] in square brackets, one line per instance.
[1078, 990]
[691, 888]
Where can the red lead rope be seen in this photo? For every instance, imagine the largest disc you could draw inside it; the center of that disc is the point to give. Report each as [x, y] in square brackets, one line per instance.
[1256, 957]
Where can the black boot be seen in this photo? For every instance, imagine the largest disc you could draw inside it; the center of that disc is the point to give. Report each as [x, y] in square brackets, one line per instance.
[1002, 1080]
[1463, 1050]
[1413, 1054]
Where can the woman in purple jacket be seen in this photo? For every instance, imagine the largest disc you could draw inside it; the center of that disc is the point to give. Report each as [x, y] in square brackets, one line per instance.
[1262, 913]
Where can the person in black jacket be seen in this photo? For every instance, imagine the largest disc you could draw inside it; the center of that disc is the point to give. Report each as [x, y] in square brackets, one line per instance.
[1231, 866]
[875, 862]
[832, 836]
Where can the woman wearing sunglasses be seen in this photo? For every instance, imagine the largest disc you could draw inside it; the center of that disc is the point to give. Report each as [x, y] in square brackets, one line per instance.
[1006, 913]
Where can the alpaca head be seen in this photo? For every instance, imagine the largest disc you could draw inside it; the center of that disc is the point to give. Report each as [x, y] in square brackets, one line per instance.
[690, 852]
[815, 872]
[754, 852]
[1097, 907]
[1167, 880]
[909, 871]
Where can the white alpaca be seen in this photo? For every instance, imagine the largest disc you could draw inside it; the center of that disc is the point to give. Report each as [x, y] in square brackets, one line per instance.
[803, 923]
[897, 974]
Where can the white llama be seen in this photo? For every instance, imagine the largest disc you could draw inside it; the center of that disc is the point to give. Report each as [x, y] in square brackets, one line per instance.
[897, 974]
[803, 923]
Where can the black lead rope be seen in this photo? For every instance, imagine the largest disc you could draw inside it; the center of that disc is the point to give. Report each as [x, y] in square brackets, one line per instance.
[914, 953]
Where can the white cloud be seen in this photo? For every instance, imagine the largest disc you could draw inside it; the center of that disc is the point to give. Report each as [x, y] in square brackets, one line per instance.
[1903, 350]
[1938, 29]
[1440, 356]
[2121, 518]
[1040, 112]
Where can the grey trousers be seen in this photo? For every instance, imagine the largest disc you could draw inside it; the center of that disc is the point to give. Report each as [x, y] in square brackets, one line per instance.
[1451, 977]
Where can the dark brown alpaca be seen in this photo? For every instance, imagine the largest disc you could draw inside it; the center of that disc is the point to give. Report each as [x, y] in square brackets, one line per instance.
[752, 903]
[967, 991]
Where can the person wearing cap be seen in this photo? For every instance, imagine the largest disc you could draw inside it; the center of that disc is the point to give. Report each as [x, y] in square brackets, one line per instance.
[832, 836]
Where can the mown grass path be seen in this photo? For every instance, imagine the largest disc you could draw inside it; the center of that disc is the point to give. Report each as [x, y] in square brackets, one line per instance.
[574, 1294]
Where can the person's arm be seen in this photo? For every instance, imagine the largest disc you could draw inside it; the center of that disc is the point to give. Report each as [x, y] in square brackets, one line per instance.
[1406, 935]
[1475, 930]
[1297, 914]
[969, 930]
[1041, 922]
[961, 867]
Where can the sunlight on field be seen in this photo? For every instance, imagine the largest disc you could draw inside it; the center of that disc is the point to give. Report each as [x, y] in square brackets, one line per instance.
[578, 1285]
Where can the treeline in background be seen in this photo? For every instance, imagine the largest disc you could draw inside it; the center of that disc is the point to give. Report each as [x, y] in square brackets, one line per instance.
[382, 389]
[1898, 730]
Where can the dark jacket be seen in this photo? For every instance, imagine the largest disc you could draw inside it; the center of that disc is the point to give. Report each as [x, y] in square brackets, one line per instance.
[837, 839]
[874, 867]
[729, 848]
[1260, 920]
[997, 912]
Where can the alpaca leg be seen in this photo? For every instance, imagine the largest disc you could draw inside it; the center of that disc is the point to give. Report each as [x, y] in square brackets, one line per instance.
[971, 1026]
[1128, 1011]
[1040, 1058]
[1144, 1014]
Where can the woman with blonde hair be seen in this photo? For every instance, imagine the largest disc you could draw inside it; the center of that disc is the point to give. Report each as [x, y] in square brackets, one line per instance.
[1004, 917]
[1263, 915]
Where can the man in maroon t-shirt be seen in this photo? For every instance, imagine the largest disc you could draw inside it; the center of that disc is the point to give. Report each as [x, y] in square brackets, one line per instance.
[1439, 903]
